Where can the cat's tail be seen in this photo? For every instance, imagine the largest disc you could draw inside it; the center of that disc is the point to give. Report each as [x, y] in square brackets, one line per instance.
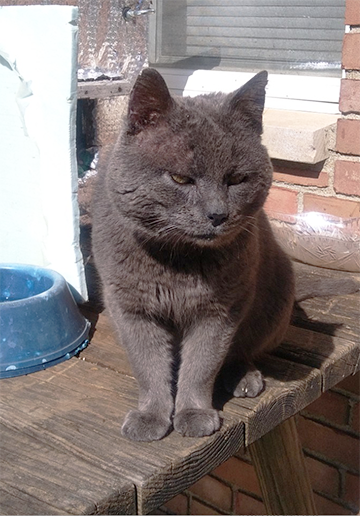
[308, 286]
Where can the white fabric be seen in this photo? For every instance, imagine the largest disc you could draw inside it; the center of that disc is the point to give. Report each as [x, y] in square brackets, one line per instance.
[39, 214]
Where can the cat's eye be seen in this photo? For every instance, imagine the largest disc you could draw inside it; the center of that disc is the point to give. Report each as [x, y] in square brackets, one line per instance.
[236, 179]
[182, 180]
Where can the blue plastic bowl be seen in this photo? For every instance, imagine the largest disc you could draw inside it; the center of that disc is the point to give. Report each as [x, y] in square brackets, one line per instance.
[40, 323]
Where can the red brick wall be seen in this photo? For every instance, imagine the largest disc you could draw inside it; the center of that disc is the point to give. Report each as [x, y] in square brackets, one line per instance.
[334, 186]
[329, 432]
[329, 428]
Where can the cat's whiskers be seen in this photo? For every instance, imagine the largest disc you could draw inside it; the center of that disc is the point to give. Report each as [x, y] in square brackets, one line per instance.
[252, 222]
[248, 231]
[163, 232]
[159, 228]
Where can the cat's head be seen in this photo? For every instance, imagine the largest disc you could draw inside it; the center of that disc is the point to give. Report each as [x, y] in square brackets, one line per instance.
[191, 169]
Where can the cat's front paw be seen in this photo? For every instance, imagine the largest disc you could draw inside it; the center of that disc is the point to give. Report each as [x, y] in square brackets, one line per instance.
[250, 385]
[197, 422]
[144, 426]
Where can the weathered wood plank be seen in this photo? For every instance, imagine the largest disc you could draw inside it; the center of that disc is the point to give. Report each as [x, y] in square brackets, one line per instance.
[289, 388]
[281, 470]
[62, 440]
[334, 315]
[80, 411]
[104, 349]
[338, 316]
[35, 479]
[33, 470]
[76, 409]
[160, 470]
[194, 459]
[16, 501]
[313, 271]
[43, 459]
[102, 89]
[335, 357]
[292, 388]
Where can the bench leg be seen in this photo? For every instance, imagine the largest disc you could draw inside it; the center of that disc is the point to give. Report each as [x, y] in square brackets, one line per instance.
[281, 470]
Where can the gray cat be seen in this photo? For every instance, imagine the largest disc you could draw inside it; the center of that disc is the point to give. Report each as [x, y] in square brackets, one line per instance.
[192, 276]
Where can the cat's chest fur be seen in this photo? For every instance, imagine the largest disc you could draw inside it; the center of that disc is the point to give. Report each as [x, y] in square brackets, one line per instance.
[178, 285]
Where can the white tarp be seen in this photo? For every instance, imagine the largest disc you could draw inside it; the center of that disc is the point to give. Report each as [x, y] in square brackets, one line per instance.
[39, 215]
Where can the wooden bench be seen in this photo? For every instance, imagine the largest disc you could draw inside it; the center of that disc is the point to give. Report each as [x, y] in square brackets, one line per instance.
[61, 448]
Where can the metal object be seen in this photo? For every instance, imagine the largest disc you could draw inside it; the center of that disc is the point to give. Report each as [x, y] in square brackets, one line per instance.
[130, 14]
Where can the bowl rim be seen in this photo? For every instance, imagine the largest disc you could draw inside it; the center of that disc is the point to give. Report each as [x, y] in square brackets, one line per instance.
[59, 286]
[58, 282]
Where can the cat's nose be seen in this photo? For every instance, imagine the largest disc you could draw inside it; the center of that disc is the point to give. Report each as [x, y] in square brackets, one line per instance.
[217, 218]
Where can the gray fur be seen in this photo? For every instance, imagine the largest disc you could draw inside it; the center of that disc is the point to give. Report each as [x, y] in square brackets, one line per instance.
[192, 275]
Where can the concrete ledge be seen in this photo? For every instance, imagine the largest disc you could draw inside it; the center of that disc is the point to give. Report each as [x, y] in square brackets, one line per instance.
[297, 135]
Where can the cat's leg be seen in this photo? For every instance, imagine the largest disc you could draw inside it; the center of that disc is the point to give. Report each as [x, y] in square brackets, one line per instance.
[242, 379]
[203, 353]
[149, 348]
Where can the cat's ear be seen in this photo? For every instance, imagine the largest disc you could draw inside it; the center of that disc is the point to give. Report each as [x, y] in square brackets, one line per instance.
[249, 100]
[149, 101]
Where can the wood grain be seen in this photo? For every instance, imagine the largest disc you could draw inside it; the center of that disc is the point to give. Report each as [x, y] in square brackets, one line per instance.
[104, 349]
[331, 315]
[61, 447]
[336, 358]
[42, 451]
[281, 470]
[192, 459]
[102, 89]
[68, 420]
[289, 388]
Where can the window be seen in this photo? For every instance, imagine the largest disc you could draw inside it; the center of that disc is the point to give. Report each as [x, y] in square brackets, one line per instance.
[207, 45]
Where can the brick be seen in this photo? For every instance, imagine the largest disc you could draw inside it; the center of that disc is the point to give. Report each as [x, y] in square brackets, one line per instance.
[240, 474]
[352, 490]
[351, 384]
[348, 136]
[325, 506]
[213, 491]
[355, 424]
[332, 444]
[352, 12]
[350, 94]
[178, 504]
[281, 200]
[303, 177]
[347, 177]
[197, 507]
[331, 406]
[331, 205]
[351, 51]
[323, 477]
[245, 504]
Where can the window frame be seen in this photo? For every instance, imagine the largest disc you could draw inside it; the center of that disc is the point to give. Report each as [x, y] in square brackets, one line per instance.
[293, 92]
